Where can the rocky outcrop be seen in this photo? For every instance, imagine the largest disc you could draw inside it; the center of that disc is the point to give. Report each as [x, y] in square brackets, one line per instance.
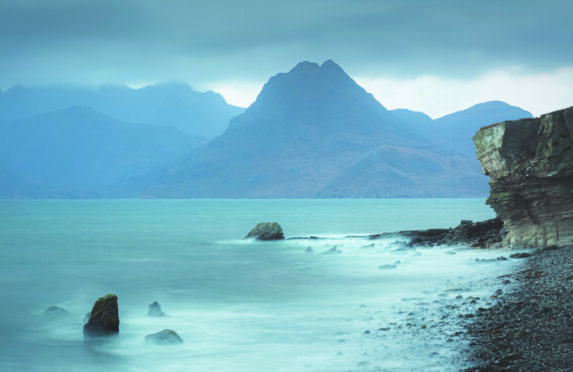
[155, 309]
[165, 337]
[483, 234]
[104, 318]
[266, 231]
[530, 164]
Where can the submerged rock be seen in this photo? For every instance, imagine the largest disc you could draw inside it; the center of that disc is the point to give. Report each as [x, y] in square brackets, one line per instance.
[155, 309]
[530, 165]
[104, 317]
[55, 312]
[387, 267]
[333, 250]
[266, 231]
[165, 337]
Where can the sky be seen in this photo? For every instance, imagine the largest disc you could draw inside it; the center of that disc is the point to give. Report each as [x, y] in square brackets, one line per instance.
[425, 55]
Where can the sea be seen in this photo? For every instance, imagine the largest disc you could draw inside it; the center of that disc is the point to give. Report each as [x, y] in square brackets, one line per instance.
[328, 298]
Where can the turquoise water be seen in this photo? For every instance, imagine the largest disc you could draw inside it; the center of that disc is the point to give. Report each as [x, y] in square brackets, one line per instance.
[239, 305]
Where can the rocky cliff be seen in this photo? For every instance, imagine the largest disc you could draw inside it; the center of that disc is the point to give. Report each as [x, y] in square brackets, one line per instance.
[530, 164]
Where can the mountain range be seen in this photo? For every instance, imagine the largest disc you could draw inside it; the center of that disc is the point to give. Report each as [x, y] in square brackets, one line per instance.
[80, 152]
[312, 132]
[199, 114]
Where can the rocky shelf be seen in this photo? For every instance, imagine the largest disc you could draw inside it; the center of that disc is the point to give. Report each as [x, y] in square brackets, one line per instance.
[530, 164]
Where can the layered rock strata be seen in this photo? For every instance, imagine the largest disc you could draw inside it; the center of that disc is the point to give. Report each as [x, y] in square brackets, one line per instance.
[530, 165]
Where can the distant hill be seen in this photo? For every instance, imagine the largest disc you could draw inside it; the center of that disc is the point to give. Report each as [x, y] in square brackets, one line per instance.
[314, 132]
[176, 105]
[80, 152]
[453, 133]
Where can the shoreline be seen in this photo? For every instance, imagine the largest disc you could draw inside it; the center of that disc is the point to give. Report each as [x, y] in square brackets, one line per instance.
[530, 328]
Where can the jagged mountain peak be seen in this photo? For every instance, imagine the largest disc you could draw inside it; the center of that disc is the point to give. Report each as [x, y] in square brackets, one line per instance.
[313, 67]
[313, 86]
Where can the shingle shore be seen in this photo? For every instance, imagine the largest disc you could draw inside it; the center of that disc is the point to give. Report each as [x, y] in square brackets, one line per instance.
[531, 328]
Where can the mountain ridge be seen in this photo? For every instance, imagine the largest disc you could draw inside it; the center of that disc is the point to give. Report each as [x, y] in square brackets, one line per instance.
[83, 150]
[311, 132]
[204, 114]
[314, 132]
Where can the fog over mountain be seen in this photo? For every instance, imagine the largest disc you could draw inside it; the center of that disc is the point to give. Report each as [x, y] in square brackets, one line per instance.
[80, 152]
[314, 132]
[174, 104]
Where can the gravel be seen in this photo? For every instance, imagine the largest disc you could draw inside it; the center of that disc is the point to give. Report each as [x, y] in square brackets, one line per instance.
[531, 327]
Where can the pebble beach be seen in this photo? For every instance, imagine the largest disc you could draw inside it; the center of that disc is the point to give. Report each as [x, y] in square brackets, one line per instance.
[531, 327]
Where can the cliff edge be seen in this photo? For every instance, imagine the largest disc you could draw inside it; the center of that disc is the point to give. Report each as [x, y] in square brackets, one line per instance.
[530, 165]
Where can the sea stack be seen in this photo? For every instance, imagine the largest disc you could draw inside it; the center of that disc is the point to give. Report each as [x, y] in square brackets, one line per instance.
[530, 165]
[104, 318]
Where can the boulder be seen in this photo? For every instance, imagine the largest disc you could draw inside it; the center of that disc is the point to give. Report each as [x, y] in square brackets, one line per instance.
[104, 318]
[266, 231]
[165, 337]
[155, 309]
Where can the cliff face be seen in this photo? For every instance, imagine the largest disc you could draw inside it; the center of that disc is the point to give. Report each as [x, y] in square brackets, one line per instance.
[530, 164]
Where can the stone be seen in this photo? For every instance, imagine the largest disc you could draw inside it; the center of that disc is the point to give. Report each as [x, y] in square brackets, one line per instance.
[266, 231]
[155, 309]
[387, 267]
[104, 317]
[530, 165]
[165, 337]
[520, 255]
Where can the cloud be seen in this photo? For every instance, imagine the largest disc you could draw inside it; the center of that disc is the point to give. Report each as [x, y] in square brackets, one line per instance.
[436, 96]
[200, 41]
[238, 93]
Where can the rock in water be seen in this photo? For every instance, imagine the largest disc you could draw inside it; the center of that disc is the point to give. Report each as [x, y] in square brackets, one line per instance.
[104, 318]
[530, 164]
[266, 231]
[55, 312]
[155, 309]
[165, 337]
[483, 234]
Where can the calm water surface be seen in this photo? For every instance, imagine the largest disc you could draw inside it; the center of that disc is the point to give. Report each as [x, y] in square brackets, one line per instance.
[344, 304]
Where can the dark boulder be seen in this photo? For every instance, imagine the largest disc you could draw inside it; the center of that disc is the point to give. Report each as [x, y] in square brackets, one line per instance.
[104, 318]
[266, 231]
[165, 337]
[155, 309]
[520, 255]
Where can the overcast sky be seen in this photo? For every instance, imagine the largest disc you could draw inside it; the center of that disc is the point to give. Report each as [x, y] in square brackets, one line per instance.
[432, 56]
